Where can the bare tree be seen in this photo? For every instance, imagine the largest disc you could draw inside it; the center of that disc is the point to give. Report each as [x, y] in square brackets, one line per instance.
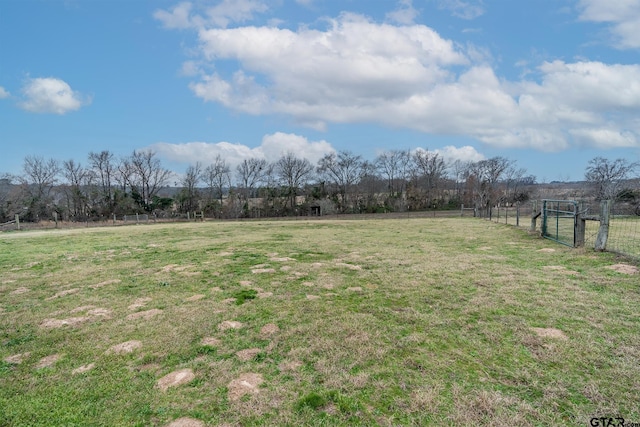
[485, 175]
[394, 165]
[217, 176]
[607, 177]
[40, 177]
[105, 169]
[294, 172]
[430, 169]
[189, 193]
[77, 182]
[249, 174]
[148, 176]
[344, 171]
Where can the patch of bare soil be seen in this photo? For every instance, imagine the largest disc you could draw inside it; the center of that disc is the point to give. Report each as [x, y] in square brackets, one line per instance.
[355, 289]
[216, 289]
[17, 359]
[82, 308]
[245, 384]
[20, 290]
[485, 248]
[264, 294]
[246, 282]
[286, 268]
[549, 333]
[105, 283]
[308, 284]
[624, 268]
[248, 354]
[210, 341]
[230, 324]
[125, 347]
[317, 265]
[63, 293]
[84, 368]
[312, 297]
[269, 329]
[139, 303]
[194, 298]
[185, 422]
[229, 300]
[48, 361]
[281, 259]
[546, 250]
[263, 270]
[59, 323]
[349, 266]
[174, 379]
[290, 365]
[225, 253]
[148, 314]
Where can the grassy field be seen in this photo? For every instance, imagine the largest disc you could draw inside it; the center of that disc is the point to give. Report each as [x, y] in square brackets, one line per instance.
[381, 322]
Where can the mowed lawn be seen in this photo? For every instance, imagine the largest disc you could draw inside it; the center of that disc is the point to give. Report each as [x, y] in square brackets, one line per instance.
[380, 322]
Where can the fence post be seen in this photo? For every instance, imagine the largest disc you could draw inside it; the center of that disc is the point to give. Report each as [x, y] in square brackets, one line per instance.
[18, 221]
[462, 209]
[518, 214]
[544, 218]
[579, 226]
[137, 218]
[114, 219]
[603, 231]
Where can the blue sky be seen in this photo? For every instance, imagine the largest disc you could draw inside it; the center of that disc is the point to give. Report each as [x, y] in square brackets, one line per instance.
[548, 83]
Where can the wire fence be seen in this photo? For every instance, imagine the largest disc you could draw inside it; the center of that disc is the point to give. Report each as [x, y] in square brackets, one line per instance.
[624, 230]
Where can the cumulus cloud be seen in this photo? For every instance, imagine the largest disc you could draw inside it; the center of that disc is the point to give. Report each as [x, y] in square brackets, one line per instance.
[4, 93]
[273, 147]
[356, 70]
[623, 16]
[464, 154]
[50, 95]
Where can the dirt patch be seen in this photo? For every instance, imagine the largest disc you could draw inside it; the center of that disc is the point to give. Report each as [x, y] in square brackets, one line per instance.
[281, 259]
[82, 308]
[59, 323]
[225, 253]
[100, 312]
[264, 294]
[230, 324]
[549, 333]
[186, 422]
[216, 289]
[546, 250]
[17, 359]
[624, 268]
[48, 361]
[125, 347]
[139, 303]
[245, 384]
[21, 290]
[291, 365]
[312, 297]
[148, 314]
[317, 265]
[349, 266]
[269, 329]
[248, 354]
[228, 300]
[63, 293]
[308, 284]
[263, 270]
[194, 298]
[84, 368]
[175, 379]
[105, 283]
[355, 289]
[485, 248]
[210, 341]
[246, 282]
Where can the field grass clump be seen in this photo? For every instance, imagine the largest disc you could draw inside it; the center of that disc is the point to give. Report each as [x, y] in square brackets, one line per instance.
[383, 322]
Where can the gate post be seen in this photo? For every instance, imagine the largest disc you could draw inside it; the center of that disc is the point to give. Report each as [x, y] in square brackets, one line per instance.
[603, 231]
[534, 216]
[544, 217]
[579, 226]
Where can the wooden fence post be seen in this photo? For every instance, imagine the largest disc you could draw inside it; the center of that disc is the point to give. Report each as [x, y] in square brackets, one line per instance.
[18, 221]
[534, 215]
[580, 226]
[603, 231]
[462, 209]
[518, 215]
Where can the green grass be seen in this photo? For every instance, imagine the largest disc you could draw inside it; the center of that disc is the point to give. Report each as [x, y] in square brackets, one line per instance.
[379, 322]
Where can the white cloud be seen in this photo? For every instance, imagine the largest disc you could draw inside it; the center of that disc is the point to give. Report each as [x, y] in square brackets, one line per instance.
[187, 15]
[465, 154]
[463, 9]
[273, 147]
[4, 93]
[408, 76]
[405, 14]
[623, 16]
[51, 95]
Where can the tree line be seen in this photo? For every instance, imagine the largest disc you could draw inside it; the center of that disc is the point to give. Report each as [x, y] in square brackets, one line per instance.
[340, 182]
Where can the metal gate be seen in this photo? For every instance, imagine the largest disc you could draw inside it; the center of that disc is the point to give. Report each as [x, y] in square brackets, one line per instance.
[559, 221]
